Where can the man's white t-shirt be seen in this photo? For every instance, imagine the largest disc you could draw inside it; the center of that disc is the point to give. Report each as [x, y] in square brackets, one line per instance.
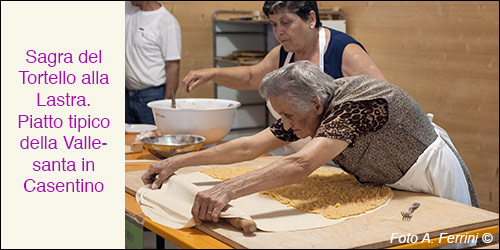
[151, 38]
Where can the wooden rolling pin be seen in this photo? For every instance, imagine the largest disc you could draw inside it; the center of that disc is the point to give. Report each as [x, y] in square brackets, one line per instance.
[248, 226]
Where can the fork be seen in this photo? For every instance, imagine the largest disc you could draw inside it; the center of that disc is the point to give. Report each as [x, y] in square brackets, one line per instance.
[408, 215]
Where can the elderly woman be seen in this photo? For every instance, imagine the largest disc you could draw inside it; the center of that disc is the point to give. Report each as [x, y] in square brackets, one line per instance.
[371, 128]
[297, 26]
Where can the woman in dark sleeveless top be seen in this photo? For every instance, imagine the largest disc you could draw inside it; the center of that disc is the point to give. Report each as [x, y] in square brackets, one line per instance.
[297, 26]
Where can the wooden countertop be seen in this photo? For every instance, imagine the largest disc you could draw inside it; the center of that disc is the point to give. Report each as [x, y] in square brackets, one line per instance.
[195, 238]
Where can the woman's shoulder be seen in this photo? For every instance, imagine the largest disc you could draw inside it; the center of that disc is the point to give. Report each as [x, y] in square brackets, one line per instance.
[339, 40]
[339, 36]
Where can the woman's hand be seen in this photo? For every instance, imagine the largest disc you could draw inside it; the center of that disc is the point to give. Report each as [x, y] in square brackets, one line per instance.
[196, 77]
[209, 204]
[158, 172]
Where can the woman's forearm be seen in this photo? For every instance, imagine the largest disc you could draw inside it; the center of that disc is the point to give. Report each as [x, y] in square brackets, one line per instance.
[235, 77]
[286, 171]
[237, 150]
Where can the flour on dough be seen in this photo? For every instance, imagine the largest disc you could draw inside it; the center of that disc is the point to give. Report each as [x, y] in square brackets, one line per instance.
[330, 193]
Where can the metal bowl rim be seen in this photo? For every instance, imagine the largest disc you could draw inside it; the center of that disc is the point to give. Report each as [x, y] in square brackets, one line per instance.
[234, 104]
[199, 139]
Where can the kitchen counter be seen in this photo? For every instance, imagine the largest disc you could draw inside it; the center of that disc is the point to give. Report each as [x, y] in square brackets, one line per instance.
[184, 238]
[370, 231]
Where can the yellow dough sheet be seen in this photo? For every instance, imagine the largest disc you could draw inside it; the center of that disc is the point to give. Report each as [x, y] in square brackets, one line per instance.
[329, 192]
[171, 205]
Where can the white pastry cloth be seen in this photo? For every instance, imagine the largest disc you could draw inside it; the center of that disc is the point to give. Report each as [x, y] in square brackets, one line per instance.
[171, 206]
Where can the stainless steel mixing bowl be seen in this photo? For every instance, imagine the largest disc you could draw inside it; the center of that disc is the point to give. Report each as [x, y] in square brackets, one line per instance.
[168, 145]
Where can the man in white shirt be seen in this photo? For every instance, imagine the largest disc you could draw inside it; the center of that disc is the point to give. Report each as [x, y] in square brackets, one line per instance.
[152, 58]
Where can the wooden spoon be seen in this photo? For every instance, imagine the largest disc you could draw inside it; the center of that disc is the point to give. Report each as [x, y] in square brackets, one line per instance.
[172, 96]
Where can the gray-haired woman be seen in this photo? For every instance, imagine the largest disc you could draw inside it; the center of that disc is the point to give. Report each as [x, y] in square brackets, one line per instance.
[371, 128]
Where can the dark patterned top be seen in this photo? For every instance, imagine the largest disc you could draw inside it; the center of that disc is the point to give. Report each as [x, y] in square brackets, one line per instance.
[344, 122]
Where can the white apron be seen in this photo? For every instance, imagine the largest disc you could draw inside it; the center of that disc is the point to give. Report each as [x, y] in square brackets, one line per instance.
[437, 171]
[297, 145]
